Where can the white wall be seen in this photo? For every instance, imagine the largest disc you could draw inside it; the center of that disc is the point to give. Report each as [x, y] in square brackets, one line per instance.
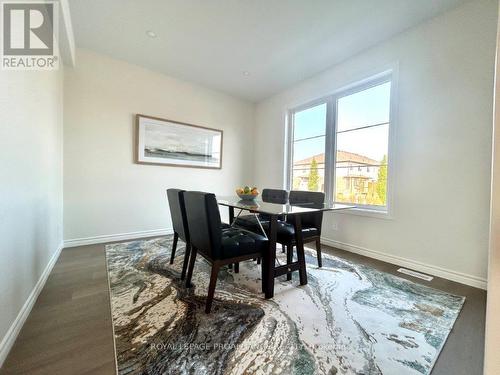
[30, 190]
[492, 359]
[442, 151]
[105, 193]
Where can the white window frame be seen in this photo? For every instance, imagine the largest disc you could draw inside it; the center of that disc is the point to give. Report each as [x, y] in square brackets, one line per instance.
[330, 100]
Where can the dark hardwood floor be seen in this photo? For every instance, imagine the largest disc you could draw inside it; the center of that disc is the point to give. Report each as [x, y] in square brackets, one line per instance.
[69, 330]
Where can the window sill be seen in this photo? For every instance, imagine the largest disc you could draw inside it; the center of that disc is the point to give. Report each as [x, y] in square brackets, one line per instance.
[386, 215]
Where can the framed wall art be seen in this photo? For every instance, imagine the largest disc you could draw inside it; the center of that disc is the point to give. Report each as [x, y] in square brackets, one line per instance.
[173, 143]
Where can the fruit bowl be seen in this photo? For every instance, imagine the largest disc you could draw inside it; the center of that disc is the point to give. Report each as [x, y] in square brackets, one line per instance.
[247, 197]
[247, 194]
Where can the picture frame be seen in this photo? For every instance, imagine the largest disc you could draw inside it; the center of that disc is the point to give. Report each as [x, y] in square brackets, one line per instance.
[172, 143]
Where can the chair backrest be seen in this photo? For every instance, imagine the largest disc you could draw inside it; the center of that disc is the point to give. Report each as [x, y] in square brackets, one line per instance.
[275, 196]
[204, 223]
[298, 196]
[178, 213]
[313, 219]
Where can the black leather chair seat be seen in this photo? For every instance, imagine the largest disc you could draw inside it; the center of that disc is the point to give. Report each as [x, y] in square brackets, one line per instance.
[236, 242]
[225, 226]
[286, 232]
[246, 221]
[249, 222]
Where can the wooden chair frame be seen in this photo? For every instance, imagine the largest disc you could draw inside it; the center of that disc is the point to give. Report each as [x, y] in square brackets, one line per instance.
[216, 266]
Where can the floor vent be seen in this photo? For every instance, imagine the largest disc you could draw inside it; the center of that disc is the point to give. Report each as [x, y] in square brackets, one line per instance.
[415, 274]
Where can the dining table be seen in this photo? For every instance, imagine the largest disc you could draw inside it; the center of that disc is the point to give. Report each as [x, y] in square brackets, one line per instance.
[293, 213]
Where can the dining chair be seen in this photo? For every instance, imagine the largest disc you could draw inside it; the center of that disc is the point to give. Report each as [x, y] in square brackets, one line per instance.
[311, 224]
[218, 246]
[179, 225]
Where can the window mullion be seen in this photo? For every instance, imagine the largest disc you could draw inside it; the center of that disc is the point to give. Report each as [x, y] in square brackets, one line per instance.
[330, 149]
[289, 156]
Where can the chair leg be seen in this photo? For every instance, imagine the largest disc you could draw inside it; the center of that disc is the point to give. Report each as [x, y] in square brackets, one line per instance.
[289, 260]
[258, 260]
[186, 261]
[174, 247]
[236, 268]
[211, 287]
[192, 259]
[318, 252]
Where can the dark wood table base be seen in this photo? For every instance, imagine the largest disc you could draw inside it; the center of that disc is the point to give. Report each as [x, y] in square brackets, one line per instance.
[270, 271]
[270, 257]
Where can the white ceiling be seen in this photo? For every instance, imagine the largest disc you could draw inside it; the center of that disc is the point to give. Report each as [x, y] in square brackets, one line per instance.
[212, 42]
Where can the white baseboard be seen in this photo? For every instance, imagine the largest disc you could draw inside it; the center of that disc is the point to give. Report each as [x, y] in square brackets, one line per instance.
[116, 237]
[458, 277]
[11, 335]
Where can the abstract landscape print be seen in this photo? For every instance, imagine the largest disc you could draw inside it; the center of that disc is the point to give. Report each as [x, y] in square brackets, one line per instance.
[349, 319]
[173, 143]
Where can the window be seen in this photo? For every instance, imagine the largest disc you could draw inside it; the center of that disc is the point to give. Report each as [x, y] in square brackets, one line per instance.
[308, 145]
[340, 145]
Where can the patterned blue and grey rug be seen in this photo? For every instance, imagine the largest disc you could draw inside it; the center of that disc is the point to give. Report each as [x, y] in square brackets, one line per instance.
[349, 319]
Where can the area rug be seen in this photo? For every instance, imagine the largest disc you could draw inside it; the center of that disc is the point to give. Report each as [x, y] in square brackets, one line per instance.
[349, 319]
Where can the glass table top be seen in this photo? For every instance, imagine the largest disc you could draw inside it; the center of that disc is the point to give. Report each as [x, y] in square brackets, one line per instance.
[260, 206]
